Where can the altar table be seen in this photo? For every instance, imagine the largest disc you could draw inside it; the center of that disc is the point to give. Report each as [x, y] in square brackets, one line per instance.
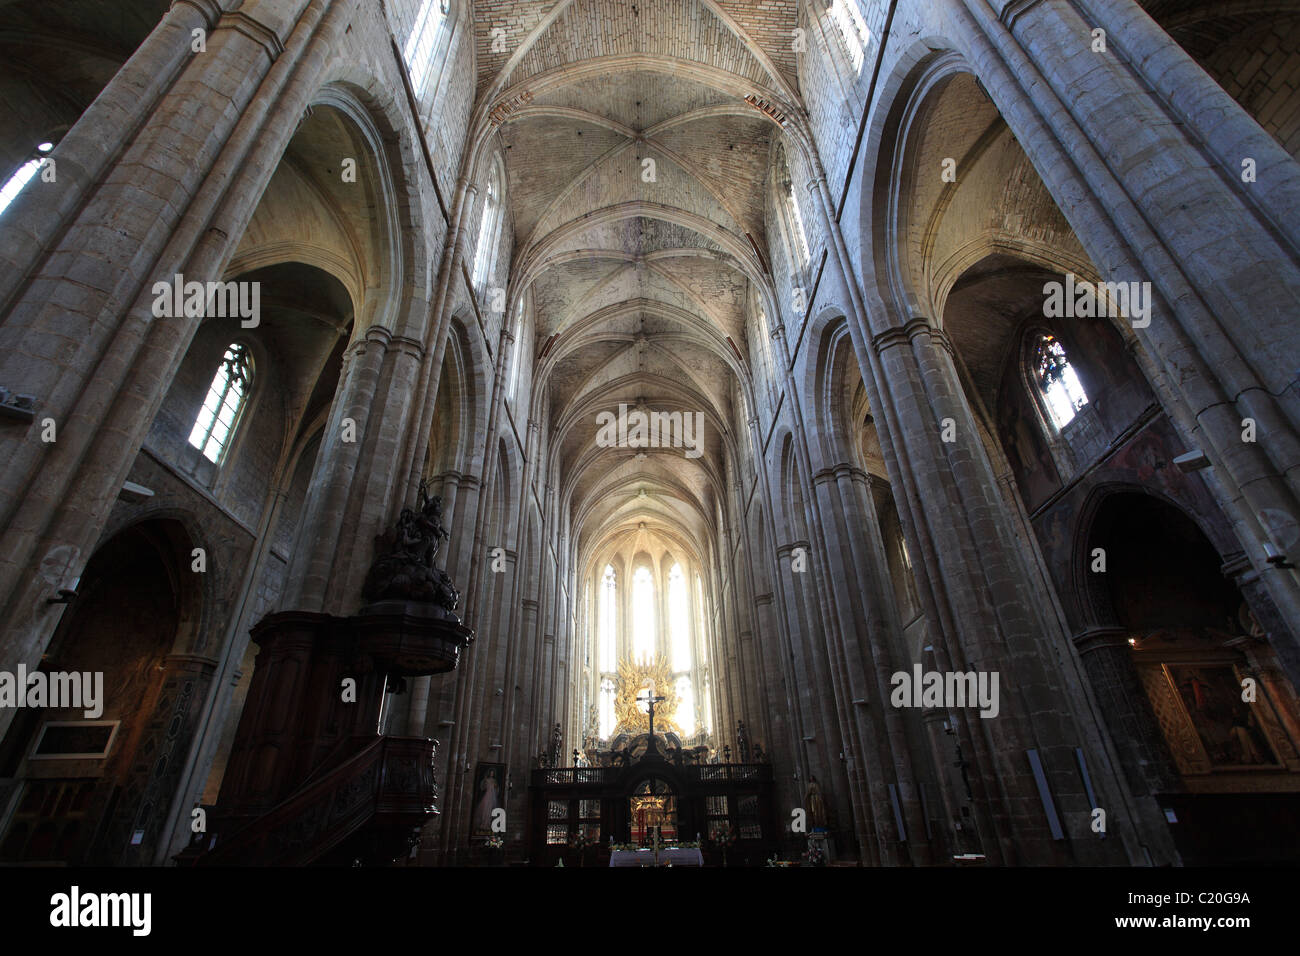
[680, 856]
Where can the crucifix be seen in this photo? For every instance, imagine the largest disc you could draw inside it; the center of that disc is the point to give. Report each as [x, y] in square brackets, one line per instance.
[650, 699]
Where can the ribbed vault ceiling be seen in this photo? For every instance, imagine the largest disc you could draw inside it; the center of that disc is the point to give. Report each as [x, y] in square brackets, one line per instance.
[638, 283]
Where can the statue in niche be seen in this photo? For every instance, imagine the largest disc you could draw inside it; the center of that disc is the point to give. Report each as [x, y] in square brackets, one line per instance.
[815, 804]
[404, 569]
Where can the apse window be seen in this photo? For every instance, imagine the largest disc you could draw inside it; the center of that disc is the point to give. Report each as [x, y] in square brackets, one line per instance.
[22, 176]
[606, 708]
[643, 616]
[224, 403]
[608, 596]
[679, 619]
[853, 31]
[1058, 383]
[422, 42]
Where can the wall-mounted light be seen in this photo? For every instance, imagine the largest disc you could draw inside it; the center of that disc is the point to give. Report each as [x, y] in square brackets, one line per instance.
[1272, 554]
[1193, 460]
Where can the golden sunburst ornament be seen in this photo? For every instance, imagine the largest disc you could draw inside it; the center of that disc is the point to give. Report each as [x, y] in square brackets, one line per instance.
[633, 680]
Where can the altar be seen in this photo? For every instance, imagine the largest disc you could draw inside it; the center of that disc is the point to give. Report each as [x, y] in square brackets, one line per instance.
[648, 792]
[668, 856]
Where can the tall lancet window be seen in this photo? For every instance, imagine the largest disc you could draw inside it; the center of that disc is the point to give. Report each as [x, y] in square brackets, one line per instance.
[606, 714]
[1058, 384]
[606, 633]
[679, 619]
[423, 42]
[225, 401]
[485, 248]
[853, 31]
[796, 236]
[699, 621]
[643, 616]
[685, 716]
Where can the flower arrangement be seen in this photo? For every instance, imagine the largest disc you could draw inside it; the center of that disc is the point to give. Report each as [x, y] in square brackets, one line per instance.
[494, 842]
[815, 856]
[727, 838]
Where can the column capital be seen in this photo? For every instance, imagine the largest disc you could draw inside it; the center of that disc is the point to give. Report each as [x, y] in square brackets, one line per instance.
[1012, 10]
[210, 9]
[1095, 638]
[255, 30]
[901, 334]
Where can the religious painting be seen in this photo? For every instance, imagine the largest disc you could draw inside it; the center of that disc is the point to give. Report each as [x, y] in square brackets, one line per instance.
[1227, 726]
[489, 795]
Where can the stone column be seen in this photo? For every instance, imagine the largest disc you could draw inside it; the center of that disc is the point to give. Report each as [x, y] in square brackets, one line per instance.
[1148, 151]
[80, 334]
[348, 500]
[1107, 660]
[975, 590]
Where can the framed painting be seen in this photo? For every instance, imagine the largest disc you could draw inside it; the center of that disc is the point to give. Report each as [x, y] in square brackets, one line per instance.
[1228, 728]
[489, 795]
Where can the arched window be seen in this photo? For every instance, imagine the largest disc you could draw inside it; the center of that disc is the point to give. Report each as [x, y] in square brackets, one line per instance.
[707, 707]
[22, 176]
[606, 713]
[853, 31]
[485, 249]
[518, 358]
[679, 620]
[685, 716]
[225, 401]
[643, 616]
[699, 623]
[606, 633]
[422, 42]
[1058, 385]
[792, 220]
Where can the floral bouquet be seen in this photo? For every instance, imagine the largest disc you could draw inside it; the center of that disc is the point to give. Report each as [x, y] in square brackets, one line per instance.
[815, 856]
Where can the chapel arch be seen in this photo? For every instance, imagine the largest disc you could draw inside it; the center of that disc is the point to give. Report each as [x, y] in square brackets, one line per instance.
[1216, 709]
[96, 790]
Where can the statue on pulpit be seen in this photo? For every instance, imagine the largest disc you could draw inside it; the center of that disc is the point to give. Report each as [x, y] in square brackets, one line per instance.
[403, 569]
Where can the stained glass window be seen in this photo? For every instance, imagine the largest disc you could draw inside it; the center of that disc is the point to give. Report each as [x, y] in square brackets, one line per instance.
[1057, 381]
[225, 400]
